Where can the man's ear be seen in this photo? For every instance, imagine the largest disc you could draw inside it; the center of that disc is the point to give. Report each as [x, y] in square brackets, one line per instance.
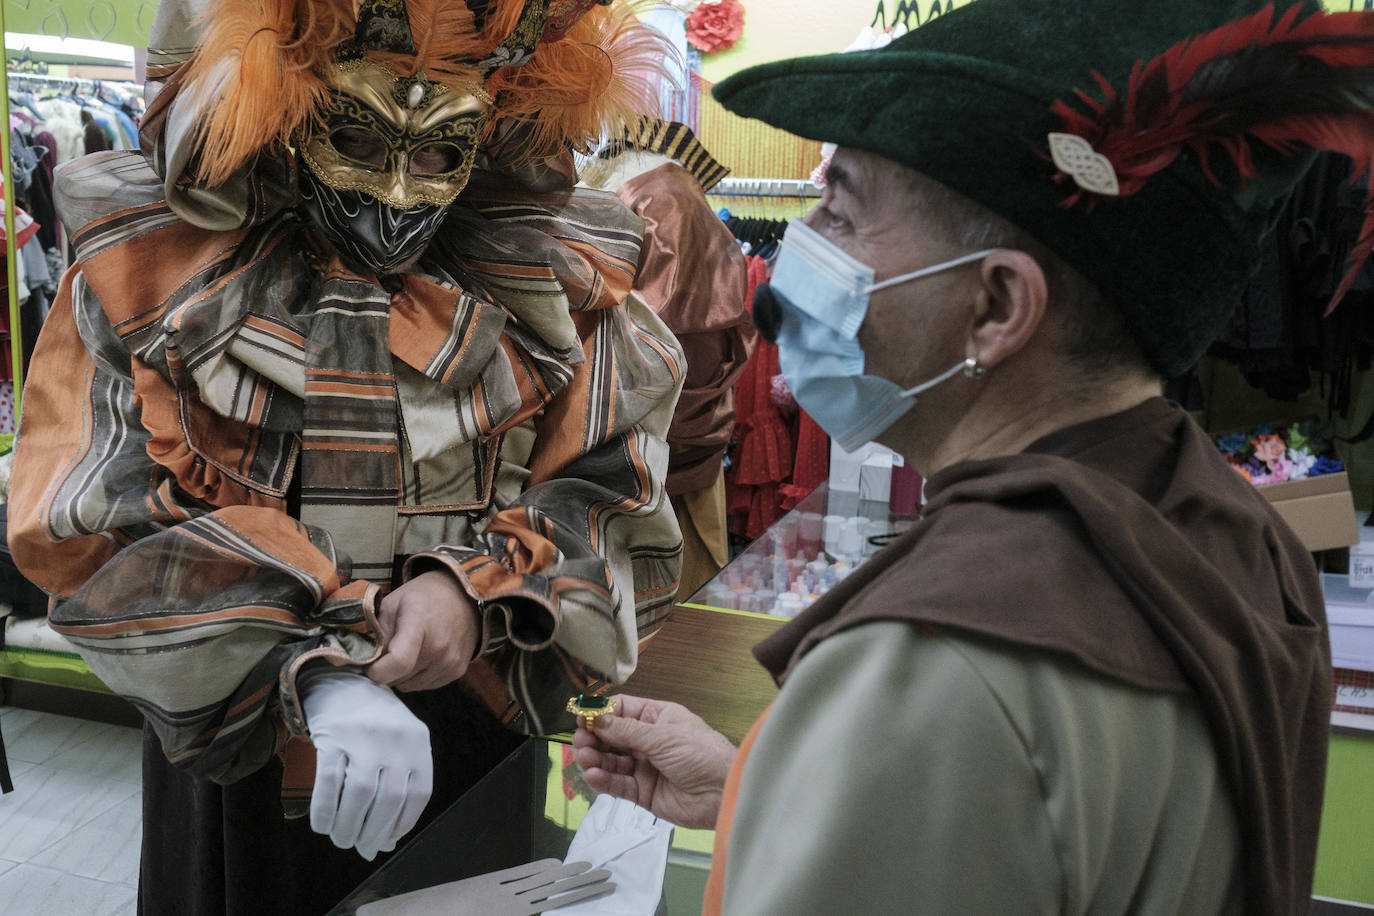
[1010, 305]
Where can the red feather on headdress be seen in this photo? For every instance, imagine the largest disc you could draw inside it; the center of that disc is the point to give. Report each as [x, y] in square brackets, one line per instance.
[1294, 86]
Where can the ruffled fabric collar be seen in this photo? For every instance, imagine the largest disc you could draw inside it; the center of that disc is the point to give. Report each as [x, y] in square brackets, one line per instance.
[541, 256]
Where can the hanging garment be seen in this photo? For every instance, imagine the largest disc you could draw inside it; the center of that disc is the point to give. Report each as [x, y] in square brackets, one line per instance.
[694, 276]
[764, 448]
[62, 119]
[1279, 333]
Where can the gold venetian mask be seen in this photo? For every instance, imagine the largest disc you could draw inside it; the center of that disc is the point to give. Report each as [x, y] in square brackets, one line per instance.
[403, 140]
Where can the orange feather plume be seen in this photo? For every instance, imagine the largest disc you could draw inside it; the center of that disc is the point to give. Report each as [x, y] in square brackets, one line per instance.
[263, 69]
[596, 81]
[257, 76]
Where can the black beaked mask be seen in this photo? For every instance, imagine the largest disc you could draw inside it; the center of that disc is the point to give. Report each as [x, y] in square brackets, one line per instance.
[366, 232]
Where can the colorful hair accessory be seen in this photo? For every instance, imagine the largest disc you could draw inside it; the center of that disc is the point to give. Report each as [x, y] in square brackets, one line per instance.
[1270, 449]
[713, 27]
[1326, 465]
[1302, 461]
[1275, 453]
[1235, 443]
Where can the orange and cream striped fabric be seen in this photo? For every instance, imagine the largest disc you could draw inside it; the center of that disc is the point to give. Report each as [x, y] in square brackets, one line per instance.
[232, 445]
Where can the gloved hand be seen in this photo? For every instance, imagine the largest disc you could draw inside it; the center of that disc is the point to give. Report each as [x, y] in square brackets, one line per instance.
[374, 770]
[632, 843]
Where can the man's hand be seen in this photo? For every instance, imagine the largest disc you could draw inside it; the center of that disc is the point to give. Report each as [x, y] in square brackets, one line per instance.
[432, 632]
[659, 756]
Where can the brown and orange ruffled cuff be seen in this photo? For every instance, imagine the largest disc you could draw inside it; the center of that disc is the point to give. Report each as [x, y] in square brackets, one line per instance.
[515, 608]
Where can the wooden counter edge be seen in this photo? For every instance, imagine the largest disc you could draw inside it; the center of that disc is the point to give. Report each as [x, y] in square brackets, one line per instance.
[703, 660]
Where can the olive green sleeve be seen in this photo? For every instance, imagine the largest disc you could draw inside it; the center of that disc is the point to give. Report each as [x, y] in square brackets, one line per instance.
[908, 772]
[885, 780]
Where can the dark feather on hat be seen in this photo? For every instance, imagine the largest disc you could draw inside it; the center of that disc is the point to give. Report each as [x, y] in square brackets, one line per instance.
[1295, 86]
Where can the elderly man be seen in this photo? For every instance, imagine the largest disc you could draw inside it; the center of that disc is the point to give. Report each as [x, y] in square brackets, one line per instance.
[1095, 677]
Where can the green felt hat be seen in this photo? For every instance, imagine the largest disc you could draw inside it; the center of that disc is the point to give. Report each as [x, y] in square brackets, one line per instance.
[968, 99]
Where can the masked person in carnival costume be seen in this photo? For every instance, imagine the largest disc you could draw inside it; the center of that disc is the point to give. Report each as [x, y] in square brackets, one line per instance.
[1095, 677]
[347, 392]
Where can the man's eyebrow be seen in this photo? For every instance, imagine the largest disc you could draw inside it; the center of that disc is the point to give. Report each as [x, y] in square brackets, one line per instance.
[840, 178]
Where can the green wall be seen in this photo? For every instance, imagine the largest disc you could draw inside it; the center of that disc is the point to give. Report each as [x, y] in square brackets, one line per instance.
[1345, 852]
[125, 22]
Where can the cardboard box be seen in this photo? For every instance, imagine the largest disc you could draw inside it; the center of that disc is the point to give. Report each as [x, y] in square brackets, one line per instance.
[1320, 510]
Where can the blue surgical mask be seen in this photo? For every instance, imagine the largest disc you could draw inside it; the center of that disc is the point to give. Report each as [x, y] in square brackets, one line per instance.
[823, 298]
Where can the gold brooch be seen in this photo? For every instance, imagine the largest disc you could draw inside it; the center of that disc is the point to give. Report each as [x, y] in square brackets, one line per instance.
[589, 707]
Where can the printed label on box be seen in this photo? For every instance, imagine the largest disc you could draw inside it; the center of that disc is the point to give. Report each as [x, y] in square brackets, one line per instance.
[1361, 568]
[1349, 695]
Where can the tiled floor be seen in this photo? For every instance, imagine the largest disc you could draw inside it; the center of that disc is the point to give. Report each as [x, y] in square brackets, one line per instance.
[69, 832]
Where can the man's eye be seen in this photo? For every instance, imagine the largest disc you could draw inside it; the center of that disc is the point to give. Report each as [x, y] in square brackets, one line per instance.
[829, 219]
[362, 146]
[435, 159]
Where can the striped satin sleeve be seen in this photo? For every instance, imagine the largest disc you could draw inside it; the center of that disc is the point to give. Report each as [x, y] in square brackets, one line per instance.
[186, 593]
[195, 626]
[583, 565]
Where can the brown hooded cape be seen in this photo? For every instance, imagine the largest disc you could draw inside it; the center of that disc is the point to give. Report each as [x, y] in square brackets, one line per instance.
[1129, 544]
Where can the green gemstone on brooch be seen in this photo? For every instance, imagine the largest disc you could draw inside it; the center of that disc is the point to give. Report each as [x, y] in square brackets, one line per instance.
[589, 707]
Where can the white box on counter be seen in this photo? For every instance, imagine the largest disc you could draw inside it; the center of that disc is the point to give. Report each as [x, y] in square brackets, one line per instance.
[1350, 617]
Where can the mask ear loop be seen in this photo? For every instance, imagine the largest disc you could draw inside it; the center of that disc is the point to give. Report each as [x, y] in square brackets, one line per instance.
[933, 269]
[968, 367]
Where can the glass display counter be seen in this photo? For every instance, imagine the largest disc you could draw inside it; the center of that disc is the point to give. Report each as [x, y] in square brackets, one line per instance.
[828, 535]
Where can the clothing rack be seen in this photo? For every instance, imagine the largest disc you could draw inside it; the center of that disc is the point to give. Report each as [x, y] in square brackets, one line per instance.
[77, 82]
[117, 95]
[766, 187]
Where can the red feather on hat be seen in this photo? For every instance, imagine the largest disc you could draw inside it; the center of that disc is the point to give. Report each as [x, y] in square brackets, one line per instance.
[1294, 86]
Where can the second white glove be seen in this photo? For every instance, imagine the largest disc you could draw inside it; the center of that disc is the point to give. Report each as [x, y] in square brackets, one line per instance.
[374, 770]
[621, 836]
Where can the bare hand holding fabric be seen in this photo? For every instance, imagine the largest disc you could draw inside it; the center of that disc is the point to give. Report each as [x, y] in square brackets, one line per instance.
[374, 770]
[660, 756]
[432, 632]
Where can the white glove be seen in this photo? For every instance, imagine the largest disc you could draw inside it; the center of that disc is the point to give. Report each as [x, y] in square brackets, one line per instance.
[374, 769]
[632, 843]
